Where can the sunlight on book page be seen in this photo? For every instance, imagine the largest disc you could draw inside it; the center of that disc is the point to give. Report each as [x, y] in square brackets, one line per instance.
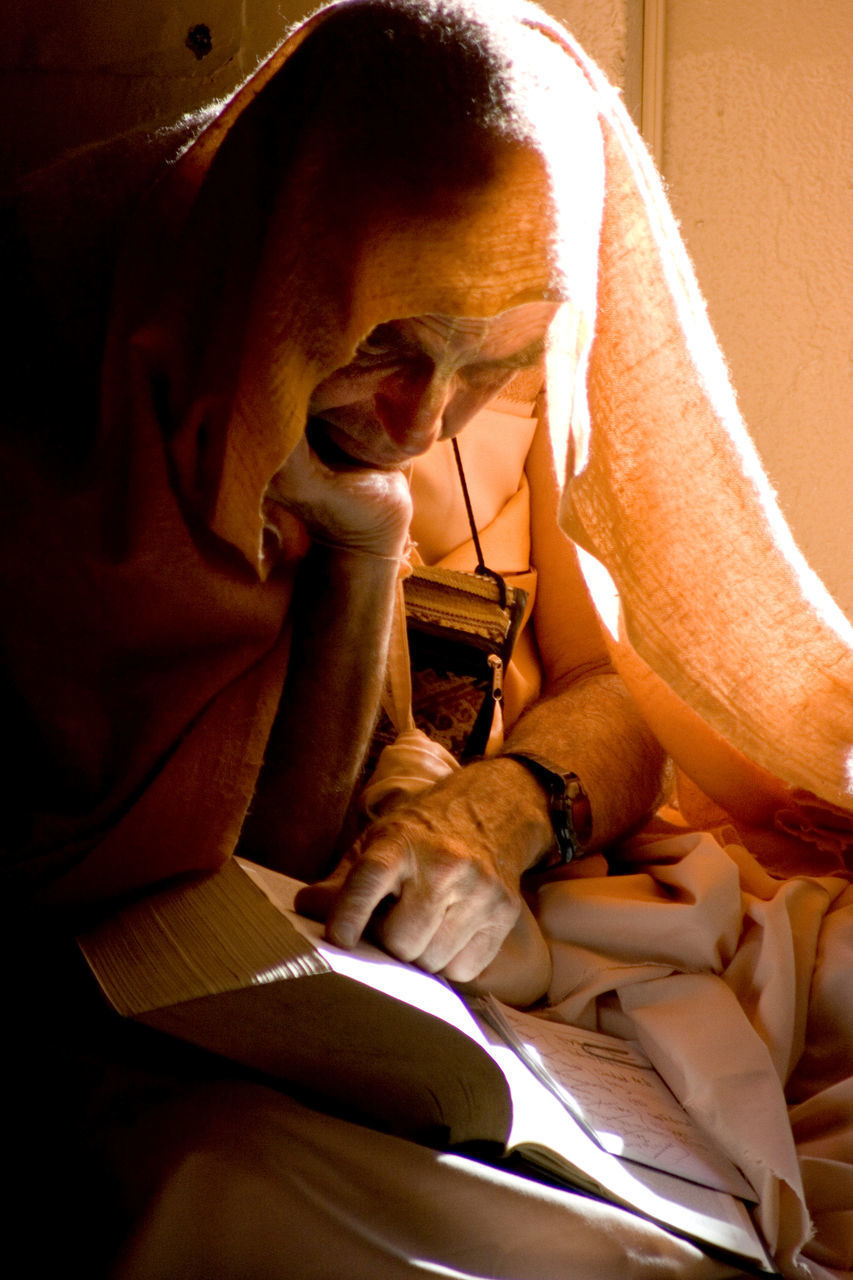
[611, 1087]
[367, 964]
[692, 1210]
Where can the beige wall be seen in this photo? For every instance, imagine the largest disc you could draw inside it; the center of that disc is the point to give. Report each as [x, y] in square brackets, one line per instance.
[758, 154]
[72, 71]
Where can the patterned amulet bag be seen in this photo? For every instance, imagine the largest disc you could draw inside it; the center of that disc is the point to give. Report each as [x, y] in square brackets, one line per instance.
[461, 630]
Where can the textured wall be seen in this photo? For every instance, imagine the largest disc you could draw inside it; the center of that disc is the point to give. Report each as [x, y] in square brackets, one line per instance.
[758, 153]
[79, 70]
[602, 29]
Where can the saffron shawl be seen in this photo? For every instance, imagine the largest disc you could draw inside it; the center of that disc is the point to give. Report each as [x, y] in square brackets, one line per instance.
[734, 650]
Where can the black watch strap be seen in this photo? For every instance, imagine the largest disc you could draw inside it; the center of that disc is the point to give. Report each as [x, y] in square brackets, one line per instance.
[567, 805]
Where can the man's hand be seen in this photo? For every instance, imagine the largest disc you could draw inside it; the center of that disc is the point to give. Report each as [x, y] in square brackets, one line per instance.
[353, 508]
[438, 880]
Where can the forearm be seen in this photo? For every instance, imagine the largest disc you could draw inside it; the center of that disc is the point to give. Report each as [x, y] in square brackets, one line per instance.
[591, 728]
[357, 521]
[342, 615]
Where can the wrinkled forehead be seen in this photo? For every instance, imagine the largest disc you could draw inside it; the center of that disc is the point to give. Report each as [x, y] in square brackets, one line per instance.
[477, 255]
[522, 220]
[454, 218]
[513, 339]
[508, 328]
[524, 230]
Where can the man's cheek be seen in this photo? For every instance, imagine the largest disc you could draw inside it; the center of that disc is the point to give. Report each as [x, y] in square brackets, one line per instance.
[342, 390]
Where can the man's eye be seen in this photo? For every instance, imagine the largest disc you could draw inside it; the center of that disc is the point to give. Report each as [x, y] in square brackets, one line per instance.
[487, 375]
[379, 342]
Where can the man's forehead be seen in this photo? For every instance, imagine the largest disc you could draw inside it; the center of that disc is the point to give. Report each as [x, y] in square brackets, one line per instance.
[512, 329]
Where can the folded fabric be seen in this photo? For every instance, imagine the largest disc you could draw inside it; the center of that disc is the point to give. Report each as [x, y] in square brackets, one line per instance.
[737, 985]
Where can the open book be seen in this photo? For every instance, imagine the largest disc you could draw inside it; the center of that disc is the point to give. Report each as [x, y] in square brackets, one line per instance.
[224, 962]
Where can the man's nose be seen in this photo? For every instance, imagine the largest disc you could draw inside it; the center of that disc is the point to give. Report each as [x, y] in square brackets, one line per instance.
[411, 409]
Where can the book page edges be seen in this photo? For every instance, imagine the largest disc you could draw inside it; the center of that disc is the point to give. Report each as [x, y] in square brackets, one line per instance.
[196, 938]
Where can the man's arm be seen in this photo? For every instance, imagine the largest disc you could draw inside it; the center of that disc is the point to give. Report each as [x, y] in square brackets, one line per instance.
[446, 866]
[358, 521]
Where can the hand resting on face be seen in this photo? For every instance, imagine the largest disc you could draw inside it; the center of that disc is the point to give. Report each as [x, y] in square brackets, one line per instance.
[353, 508]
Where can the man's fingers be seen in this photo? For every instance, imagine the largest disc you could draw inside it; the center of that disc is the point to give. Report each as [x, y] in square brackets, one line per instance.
[369, 882]
[424, 904]
[466, 941]
[457, 937]
[477, 954]
[316, 900]
[410, 927]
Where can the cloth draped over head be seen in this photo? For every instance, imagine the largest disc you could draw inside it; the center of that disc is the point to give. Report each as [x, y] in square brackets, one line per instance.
[378, 167]
[393, 158]
[732, 647]
[328, 208]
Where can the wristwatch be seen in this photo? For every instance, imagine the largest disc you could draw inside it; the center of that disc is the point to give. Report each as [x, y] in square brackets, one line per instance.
[568, 807]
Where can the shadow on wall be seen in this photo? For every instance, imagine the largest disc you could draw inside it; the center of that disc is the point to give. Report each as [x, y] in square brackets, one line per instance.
[79, 72]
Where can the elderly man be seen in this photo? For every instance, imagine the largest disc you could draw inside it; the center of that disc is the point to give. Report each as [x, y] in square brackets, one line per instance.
[398, 214]
[376, 266]
[347, 263]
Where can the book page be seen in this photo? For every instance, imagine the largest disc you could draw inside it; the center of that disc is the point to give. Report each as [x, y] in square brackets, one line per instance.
[611, 1087]
[550, 1139]
[200, 937]
[367, 964]
[541, 1126]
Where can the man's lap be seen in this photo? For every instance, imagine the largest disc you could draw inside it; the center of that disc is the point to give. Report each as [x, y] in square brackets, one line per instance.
[128, 1145]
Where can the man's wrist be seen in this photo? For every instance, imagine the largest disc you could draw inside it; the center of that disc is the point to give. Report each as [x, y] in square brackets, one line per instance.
[568, 806]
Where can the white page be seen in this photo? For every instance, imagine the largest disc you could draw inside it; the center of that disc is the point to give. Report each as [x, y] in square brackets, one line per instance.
[613, 1088]
[686, 1207]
